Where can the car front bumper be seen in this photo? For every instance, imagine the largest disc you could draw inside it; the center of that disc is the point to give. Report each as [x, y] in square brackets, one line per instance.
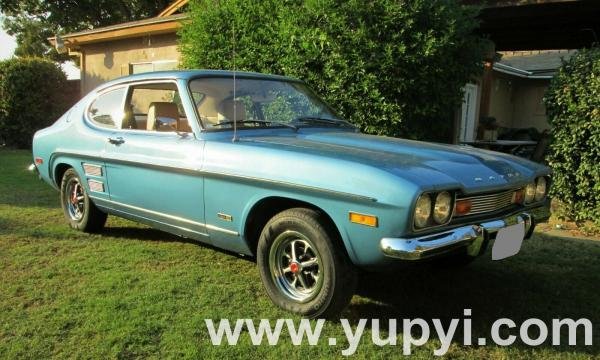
[474, 237]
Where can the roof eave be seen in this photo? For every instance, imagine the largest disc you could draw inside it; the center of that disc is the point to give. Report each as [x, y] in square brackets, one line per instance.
[154, 26]
[506, 69]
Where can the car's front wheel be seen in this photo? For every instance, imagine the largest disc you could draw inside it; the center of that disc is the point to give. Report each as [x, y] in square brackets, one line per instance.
[79, 210]
[303, 266]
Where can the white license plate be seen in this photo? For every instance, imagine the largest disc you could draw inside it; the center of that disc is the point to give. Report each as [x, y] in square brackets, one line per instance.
[508, 241]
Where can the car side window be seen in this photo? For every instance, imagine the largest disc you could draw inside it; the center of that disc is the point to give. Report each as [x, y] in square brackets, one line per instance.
[107, 109]
[155, 107]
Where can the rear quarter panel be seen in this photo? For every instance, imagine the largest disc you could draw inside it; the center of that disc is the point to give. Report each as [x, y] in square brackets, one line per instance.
[68, 141]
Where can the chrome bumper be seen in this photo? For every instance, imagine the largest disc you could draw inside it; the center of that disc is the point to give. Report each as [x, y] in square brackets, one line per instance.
[33, 169]
[474, 237]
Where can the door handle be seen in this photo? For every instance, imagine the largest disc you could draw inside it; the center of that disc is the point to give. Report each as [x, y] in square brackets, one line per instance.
[116, 141]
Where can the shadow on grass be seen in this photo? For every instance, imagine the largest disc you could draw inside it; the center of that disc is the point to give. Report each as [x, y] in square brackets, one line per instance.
[513, 288]
[143, 234]
[150, 234]
[542, 282]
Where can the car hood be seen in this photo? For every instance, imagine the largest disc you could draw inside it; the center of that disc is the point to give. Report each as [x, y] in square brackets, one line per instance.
[428, 165]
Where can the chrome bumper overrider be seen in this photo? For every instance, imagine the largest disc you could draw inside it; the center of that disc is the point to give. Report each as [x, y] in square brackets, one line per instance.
[33, 169]
[472, 236]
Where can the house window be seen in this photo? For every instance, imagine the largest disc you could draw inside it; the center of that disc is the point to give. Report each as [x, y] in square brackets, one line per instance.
[141, 67]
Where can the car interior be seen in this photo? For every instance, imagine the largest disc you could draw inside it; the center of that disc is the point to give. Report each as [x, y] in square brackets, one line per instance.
[155, 107]
[253, 100]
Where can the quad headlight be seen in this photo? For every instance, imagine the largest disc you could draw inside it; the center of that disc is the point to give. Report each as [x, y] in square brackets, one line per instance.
[422, 211]
[536, 191]
[540, 189]
[530, 193]
[443, 207]
[433, 209]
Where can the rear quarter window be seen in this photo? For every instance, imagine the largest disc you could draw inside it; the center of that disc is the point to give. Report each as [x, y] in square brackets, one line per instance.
[107, 109]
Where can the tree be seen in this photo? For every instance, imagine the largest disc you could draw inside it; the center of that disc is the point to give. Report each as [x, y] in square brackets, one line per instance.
[29, 99]
[573, 108]
[33, 21]
[391, 67]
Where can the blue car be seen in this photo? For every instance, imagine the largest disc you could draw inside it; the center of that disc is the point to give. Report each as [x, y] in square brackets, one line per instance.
[258, 165]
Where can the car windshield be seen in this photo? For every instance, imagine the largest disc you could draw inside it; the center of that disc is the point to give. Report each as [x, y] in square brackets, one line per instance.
[259, 103]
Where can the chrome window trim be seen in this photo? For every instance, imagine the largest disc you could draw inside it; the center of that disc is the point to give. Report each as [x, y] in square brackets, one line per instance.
[86, 113]
[253, 77]
[128, 86]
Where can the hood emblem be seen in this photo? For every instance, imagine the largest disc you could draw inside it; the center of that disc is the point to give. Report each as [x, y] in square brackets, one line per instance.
[492, 178]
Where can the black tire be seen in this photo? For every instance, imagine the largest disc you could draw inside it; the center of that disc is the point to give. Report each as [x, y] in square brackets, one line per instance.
[324, 288]
[79, 210]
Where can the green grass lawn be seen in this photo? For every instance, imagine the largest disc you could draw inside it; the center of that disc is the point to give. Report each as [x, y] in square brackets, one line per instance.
[134, 292]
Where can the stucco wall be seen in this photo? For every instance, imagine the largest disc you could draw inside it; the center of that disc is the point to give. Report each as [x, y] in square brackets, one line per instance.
[518, 103]
[501, 99]
[529, 109]
[109, 60]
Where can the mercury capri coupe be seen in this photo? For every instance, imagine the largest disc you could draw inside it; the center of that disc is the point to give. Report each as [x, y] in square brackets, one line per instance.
[259, 165]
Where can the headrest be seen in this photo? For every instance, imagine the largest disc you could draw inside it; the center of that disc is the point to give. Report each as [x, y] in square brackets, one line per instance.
[226, 110]
[162, 116]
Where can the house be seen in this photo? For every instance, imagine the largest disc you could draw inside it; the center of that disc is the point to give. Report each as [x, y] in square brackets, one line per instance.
[128, 48]
[530, 36]
[518, 81]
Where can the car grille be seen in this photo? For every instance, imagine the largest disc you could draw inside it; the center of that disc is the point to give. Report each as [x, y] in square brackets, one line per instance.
[482, 204]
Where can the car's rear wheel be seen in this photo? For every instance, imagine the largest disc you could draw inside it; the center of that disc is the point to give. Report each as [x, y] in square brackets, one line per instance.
[303, 266]
[79, 210]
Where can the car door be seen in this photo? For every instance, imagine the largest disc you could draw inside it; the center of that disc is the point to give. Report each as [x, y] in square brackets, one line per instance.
[102, 114]
[152, 162]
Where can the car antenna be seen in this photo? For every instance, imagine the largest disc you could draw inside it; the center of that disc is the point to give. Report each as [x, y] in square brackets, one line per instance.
[234, 101]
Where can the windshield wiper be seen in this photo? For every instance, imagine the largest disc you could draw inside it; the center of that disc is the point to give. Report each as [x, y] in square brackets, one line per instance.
[230, 122]
[324, 121]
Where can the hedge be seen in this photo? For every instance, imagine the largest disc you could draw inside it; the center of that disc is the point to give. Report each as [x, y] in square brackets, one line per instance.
[32, 96]
[391, 67]
[573, 108]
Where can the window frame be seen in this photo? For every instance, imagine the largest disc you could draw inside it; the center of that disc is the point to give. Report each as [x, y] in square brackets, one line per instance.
[128, 92]
[153, 63]
[87, 116]
[205, 129]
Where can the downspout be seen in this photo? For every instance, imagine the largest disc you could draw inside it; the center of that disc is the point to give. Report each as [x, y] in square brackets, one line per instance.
[81, 55]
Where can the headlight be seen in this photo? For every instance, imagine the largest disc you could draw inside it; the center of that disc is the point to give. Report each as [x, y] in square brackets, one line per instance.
[422, 211]
[443, 207]
[530, 193]
[540, 189]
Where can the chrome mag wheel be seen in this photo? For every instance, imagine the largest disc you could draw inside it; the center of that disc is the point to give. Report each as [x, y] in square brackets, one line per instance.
[295, 266]
[75, 201]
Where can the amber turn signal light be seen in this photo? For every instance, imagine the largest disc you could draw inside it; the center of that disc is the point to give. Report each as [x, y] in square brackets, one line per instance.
[462, 207]
[362, 219]
[518, 197]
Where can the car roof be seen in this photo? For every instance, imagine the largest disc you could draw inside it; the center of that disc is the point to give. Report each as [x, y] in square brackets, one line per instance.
[190, 74]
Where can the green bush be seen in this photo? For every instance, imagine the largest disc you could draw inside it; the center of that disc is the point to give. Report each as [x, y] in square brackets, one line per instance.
[573, 108]
[391, 67]
[32, 96]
